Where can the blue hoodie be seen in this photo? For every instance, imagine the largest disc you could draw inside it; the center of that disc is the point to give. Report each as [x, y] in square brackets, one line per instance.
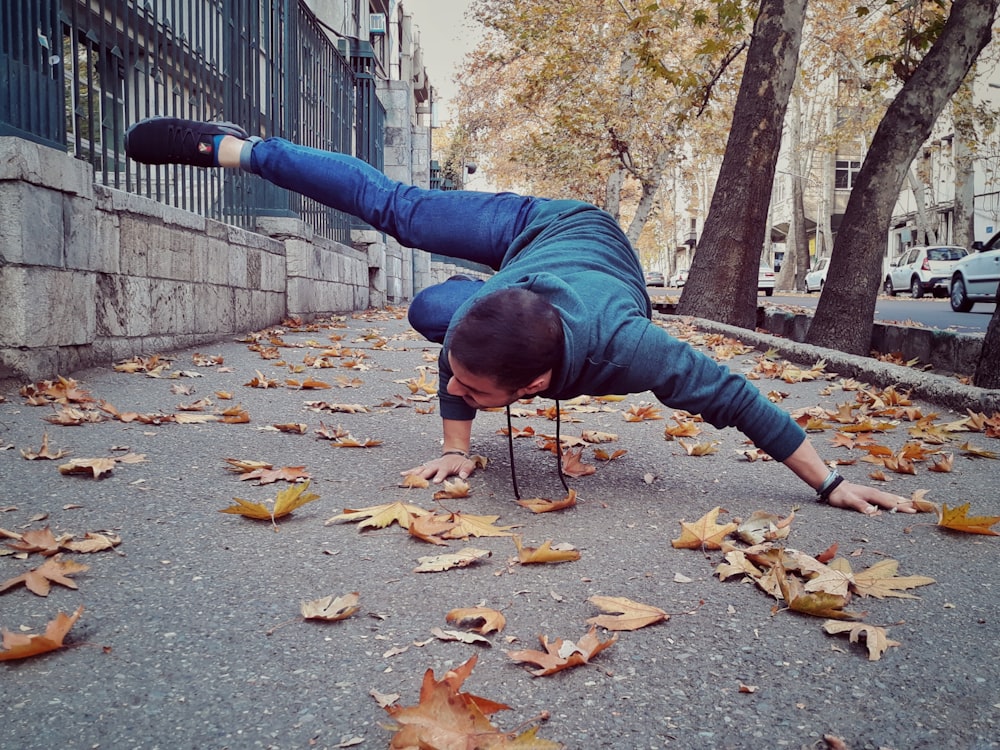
[577, 257]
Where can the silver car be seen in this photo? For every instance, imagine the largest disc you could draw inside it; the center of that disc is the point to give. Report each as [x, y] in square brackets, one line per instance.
[976, 277]
[922, 269]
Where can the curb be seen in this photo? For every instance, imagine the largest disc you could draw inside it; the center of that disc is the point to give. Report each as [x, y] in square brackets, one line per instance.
[941, 390]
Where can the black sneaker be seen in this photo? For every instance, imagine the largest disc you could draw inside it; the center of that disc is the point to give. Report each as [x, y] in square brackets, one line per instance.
[171, 140]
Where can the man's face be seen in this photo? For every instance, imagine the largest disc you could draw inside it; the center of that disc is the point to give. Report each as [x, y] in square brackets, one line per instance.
[478, 391]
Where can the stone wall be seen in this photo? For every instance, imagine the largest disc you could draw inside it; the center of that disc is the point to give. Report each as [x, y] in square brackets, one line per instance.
[90, 275]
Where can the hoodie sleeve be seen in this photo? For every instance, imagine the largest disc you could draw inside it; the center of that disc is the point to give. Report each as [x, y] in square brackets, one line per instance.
[682, 377]
[452, 407]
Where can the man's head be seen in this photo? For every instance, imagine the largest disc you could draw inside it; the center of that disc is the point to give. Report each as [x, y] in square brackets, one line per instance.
[505, 348]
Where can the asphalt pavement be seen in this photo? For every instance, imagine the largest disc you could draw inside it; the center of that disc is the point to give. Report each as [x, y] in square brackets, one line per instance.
[190, 635]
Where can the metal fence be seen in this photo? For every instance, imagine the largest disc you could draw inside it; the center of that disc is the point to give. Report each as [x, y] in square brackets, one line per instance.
[74, 74]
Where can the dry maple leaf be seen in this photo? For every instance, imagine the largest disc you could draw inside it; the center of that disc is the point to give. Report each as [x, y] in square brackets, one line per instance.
[95, 467]
[573, 465]
[285, 502]
[446, 719]
[632, 615]
[603, 455]
[44, 452]
[700, 449]
[460, 636]
[817, 603]
[704, 533]
[561, 654]
[290, 474]
[34, 540]
[20, 646]
[762, 526]
[380, 516]
[39, 580]
[331, 608]
[481, 619]
[641, 413]
[544, 505]
[875, 637]
[544, 554]
[957, 519]
[453, 490]
[92, 542]
[465, 525]
[461, 559]
[880, 580]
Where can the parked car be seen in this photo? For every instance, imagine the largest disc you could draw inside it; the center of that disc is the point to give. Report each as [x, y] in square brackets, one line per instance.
[923, 269]
[816, 278]
[976, 277]
[654, 278]
[765, 279]
[678, 279]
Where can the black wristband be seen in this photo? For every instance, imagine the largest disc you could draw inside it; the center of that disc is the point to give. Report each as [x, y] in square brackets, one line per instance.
[824, 496]
[463, 454]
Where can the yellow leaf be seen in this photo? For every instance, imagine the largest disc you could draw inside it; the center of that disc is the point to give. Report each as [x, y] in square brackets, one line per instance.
[957, 519]
[97, 467]
[632, 615]
[703, 533]
[461, 559]
[544, 505]
[481, 619]
[285, 502]
[543, 554]
[380, 516]
[875, 637]
[880, 581]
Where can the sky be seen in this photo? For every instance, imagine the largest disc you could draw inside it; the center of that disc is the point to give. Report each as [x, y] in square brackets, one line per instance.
[445, 37]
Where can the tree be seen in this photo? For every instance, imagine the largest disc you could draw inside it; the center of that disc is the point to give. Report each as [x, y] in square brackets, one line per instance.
[845, 313]
[987, 373]
[723, 281]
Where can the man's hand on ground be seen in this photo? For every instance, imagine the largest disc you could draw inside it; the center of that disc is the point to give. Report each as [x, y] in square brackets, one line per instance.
[441, 468]
[868, 500]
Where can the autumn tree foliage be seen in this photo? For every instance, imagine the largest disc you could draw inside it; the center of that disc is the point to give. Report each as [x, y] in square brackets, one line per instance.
[722, 285]
[591, 101]
[845, 314]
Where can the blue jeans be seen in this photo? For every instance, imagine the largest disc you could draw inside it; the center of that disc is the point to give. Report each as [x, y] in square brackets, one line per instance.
[473, 226]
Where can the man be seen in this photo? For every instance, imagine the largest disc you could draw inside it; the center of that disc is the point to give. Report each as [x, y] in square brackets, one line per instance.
[565, 314]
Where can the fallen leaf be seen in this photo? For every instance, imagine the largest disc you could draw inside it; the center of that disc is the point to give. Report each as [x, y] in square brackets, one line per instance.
[290, 474]
[875, 637]
[704, 533]
[957, 519]
[331, 608]
[92, 543]
[461, 559]
[880, 581]
[44, 452]
[453, 490]
[19, 646]
[285, 502]
[380, 516]
[39, 580]
[561, 654]
[544, 505]
[33, 540]
[632, 615]
[460, 636]
[96, 467]
[481, 619]
[544, 554]
[573, 465]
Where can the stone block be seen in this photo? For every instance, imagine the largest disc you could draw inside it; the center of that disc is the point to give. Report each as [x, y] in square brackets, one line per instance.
[171, 307]
[123, 306]
[31, 225]
[25, 161]
[213, 309]
[46, 307]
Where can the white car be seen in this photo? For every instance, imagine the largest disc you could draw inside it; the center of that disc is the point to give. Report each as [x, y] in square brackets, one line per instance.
[976, 277]
[765, 279]
[678, 279]
[816, 278]
[923, 269]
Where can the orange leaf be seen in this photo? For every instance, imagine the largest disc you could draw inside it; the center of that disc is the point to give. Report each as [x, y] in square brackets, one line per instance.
[957, 519]
[573, 465]
[562, 654]
[631, 615]
[544, 505]
[543, 554]
[331, 608]
[39, 580]
[20, 646]
[481, 619]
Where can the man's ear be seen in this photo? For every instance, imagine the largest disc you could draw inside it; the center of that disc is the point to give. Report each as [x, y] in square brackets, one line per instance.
[537, 385]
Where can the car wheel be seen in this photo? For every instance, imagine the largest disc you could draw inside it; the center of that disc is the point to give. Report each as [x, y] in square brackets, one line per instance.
[960, 301]
[916, 290]
[768, 292]
[888, 287]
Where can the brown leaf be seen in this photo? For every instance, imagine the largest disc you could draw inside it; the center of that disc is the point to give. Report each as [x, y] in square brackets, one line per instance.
[33, 540]
[44, 452]
[453, 490]
[380, 516]
[291, 474]
[560, 655]
[20, 646]
[461, 559]
[481, 619]
[573, 465]
[880, 581]
[544, 505]
[92, 543]
[39, 580]
[331, 608]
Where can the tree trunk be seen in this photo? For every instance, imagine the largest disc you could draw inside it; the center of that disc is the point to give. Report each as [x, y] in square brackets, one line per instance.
[925, 234]
[988, 369]
[962, 153]
[845, 314]
[723, 281]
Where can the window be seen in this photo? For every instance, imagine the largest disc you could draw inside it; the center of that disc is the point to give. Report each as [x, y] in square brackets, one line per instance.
[846, 174]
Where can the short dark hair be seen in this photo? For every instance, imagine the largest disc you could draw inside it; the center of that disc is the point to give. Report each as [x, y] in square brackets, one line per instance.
[511, 335]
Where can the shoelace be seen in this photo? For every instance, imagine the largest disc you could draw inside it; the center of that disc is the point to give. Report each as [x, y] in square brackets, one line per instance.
[510, 447]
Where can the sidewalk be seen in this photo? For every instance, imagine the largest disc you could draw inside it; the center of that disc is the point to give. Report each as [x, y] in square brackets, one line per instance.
[190, 635]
